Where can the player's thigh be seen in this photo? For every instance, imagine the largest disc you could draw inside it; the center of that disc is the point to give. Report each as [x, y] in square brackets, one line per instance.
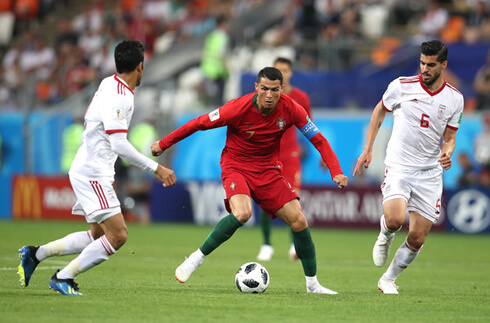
[427, 192]
[396, 193]
[291, 214]
[271, 191]
[241, 207]
[96, 199]
[395, 211]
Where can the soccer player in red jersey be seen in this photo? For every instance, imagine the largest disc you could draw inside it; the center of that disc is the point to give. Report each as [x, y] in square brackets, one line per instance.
[289, 156]
[251, 168]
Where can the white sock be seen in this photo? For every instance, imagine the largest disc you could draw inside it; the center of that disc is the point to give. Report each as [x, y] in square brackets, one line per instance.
[384, 229]
[198, 253]
[95, 253]
[403, 257]
[311, 281]
[72, 243]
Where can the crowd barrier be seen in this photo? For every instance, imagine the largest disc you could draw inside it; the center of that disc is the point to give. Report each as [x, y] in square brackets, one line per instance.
[465, 210]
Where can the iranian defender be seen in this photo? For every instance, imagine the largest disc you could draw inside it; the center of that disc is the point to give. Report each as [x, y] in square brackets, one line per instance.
[92, 173]
[425, 109]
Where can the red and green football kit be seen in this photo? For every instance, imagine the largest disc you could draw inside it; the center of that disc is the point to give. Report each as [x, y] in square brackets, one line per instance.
[290, 152]
[250, 159]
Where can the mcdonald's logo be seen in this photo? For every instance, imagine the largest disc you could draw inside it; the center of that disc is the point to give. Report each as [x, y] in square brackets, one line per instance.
[26, 198]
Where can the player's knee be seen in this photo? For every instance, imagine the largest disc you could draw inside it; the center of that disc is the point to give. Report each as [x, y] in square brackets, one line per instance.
[415, 240]
[393, 223]
[119, 238]
[242, 215]
[299, 223]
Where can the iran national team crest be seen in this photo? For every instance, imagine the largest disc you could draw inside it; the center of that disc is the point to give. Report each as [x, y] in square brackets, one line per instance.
[233, 186]
[440, 112]
[281, 123]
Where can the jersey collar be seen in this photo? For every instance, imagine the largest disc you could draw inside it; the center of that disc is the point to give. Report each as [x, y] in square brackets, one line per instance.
[429, 91]
[254, 102]
[118, 79]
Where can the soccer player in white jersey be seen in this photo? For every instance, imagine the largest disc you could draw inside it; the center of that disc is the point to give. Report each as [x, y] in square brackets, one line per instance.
[425, 109]
[92, 173]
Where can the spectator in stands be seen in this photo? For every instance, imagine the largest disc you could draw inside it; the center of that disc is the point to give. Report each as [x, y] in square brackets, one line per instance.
[477, 23]
[103, 61]
[65, 33]
[482, 85]
[433, 21]
[38, 61]
[214, 63]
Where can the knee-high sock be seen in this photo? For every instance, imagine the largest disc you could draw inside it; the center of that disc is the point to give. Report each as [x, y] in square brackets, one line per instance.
[403, 257]
[266, 227]
[221, 232]
[305, 249]
[95, 253]
[72, 243]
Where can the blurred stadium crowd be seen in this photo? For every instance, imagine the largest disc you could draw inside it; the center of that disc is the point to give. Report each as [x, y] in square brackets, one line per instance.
[52, 49]
[52, 64]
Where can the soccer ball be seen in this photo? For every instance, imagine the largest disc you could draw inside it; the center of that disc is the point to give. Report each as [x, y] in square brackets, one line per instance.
[252, 277]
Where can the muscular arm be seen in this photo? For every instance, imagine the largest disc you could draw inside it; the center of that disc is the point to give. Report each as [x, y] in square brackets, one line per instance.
[377, 119]
[447, 147]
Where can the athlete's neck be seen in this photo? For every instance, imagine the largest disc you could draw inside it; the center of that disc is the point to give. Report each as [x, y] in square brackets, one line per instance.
[129, 78]
[436, 85]
[265, 111]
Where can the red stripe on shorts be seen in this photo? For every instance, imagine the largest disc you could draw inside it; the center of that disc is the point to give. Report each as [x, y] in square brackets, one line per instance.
[100, 194]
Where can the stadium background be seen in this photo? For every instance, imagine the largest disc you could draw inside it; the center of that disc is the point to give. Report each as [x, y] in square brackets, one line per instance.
[345, 76]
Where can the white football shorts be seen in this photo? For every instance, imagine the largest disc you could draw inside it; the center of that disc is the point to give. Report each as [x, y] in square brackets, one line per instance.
[421, 189]
[96, 199]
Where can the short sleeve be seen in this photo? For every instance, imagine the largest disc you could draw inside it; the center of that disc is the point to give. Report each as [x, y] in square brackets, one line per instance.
[115, 115]
[391, 97]
[455, 120]
[299, 115]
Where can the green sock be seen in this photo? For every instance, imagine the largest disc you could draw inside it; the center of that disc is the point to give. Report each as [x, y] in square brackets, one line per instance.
[305, 249]
[266, 227]
[222, 231]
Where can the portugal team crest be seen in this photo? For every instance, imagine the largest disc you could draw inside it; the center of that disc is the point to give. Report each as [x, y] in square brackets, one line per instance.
[233, 186]
[281, 123]
[440, 112]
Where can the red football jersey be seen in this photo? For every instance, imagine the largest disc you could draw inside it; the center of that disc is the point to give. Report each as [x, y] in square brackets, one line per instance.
[289, 142]
[252, 140]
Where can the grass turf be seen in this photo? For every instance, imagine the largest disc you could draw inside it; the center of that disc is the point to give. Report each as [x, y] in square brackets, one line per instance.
[449, 281]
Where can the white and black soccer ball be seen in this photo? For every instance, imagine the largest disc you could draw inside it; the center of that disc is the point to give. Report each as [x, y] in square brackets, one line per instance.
[252, 277]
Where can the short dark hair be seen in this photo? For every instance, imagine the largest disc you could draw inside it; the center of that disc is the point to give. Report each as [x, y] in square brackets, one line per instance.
[433, 48]
[284, 60]
[270, 73]
[128, 54]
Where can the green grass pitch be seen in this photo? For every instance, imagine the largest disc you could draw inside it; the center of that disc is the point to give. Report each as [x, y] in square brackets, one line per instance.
[449, 281]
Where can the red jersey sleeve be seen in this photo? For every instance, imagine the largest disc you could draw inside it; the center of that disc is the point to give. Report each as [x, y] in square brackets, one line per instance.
[310, 131]
[214, 119]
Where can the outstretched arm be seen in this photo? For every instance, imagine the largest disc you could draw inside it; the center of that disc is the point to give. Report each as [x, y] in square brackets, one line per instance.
[210, 120]
[121, 146]
[377, 118]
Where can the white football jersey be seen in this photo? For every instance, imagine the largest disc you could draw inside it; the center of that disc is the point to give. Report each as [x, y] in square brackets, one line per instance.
[420, 118]
[109, 112]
